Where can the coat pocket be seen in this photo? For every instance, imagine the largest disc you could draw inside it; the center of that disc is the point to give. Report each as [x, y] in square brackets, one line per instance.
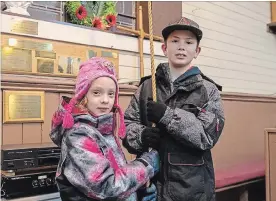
[193, 108]
[185, 176]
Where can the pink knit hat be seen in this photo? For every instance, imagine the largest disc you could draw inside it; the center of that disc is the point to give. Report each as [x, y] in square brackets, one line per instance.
[90, 70]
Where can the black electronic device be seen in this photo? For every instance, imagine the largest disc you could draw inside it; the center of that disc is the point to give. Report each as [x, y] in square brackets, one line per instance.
[28, 184]
[16, 157]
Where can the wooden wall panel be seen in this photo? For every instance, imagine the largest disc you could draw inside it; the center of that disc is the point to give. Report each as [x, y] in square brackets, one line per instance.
[1, 105]
[270, 163]
[52, 101]
[273, 11]
[240, 111]
[242, 136]
[124, 101]
[32, 133]
[12, 134]
[272, 160]
[173, 10]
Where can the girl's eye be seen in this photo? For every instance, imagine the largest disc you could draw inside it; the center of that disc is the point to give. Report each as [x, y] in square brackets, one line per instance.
[174, 41]
[96, 92]
[111, 94]
[189, 42]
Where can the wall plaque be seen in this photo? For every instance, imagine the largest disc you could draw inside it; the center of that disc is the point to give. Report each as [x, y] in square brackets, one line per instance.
[43, 54]
[23, 106]
[25, 27]
[29, 44]
[16, 59]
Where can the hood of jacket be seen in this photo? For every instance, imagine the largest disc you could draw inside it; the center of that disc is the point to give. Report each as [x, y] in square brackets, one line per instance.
[188, 80]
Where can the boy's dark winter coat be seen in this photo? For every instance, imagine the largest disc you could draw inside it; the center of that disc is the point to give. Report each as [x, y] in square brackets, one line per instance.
[192, 123]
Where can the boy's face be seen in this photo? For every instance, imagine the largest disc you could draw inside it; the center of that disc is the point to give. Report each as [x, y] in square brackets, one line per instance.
[101, 96]
[181, 48]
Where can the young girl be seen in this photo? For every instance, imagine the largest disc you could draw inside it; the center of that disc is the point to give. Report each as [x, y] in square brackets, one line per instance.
[92, 164]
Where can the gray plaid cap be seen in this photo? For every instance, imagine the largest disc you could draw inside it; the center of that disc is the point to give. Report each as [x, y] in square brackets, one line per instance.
[183, 24]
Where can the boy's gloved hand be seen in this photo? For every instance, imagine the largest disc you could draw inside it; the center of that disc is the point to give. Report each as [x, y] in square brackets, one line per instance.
[151, 137]
[155, 111]
[152, 158]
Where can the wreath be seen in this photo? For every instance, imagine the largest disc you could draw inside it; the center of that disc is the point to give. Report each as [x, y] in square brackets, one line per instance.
[98, 14]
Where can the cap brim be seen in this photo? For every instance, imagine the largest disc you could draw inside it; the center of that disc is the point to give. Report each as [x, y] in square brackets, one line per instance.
[169, 29]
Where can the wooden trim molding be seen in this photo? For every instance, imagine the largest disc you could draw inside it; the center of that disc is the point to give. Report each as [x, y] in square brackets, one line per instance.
[272, 25]
[238, 185]
[66, 84]
[273, 11]
[248, 97]
[48, 84]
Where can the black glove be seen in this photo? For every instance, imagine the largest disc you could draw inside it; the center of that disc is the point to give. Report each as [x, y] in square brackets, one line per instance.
[155, 111]
[151, 137]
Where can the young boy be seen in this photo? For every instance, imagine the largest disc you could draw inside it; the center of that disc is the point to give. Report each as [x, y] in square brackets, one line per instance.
[188, 115]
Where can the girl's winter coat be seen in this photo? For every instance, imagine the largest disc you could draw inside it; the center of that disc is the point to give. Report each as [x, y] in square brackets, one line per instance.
[92, 164]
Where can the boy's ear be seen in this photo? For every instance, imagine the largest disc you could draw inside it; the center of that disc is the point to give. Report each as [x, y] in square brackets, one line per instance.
[164, 48]
[198, 49]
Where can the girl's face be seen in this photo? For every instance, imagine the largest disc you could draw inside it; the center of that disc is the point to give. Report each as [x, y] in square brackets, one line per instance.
[101, 96]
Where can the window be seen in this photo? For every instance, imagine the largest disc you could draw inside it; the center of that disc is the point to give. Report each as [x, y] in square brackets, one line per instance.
[126, 13]
[48, 10]
[45, 10]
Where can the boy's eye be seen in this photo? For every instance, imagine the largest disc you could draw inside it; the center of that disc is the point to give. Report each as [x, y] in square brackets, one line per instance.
[174, 41]
[189, 42]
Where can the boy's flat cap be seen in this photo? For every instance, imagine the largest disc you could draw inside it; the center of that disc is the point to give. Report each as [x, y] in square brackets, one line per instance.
[183, 24]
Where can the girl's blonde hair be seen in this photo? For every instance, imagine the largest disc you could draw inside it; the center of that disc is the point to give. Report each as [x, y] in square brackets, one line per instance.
[82, 104]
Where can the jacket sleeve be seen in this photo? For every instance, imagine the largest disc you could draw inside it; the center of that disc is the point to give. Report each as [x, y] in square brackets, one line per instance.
[132, 141]
[96, 174]
[201, 132]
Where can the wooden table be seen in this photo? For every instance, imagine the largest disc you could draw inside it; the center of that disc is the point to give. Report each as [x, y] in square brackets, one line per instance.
[270, 157]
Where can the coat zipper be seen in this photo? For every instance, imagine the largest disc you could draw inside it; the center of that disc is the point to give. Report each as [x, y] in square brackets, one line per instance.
[217, 124]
